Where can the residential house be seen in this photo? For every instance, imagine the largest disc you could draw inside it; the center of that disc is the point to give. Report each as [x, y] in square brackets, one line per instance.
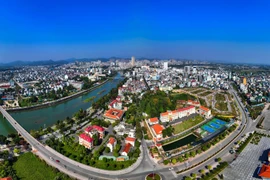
[157, 131]
[130, 140]
[153, 121]
[205, 111]
[126, 149]
[111, 143]
[86, 141]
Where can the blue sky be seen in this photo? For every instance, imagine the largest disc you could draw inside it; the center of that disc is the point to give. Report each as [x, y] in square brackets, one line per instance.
[232, 31]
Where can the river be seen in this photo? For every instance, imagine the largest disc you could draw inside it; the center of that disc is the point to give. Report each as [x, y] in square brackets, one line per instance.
[47, 116]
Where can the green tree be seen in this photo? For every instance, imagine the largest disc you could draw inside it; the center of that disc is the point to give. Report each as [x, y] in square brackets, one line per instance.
[174, 161]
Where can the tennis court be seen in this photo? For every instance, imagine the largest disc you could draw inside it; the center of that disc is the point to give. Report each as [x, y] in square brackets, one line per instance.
[218, 121]
[208, 129]
[216, 126]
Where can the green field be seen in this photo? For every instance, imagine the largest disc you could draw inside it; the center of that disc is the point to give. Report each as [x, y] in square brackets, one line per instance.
[30, 167]
[202, 102]
[220, 105]
[220, 97]
[187, 124]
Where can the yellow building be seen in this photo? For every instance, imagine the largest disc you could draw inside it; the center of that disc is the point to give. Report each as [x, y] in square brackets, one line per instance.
[245, 81]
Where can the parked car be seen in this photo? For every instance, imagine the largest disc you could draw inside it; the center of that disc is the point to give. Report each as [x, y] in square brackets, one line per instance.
[58, 161]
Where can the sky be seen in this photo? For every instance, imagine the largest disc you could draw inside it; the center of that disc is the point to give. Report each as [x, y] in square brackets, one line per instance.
[225, 30]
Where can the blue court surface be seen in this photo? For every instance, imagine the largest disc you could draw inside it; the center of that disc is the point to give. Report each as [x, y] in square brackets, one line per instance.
[216, 126]
[208, 128]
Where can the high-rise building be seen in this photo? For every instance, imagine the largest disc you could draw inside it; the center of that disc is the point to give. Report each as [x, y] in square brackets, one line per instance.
[245, 81]
[187, 69]
[132, 61]
[165, 65]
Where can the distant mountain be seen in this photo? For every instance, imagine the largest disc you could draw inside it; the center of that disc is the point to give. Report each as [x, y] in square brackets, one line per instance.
[34, 63]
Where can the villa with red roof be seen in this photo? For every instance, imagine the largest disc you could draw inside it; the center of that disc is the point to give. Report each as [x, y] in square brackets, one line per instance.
[111, 143]
[205, 111]
[193, 103]
[157, 131]
[126, 149]
[91, 130]
[116, 104]
[113, 115]
[153, 121]
[179, 113]
[130, 140]
[86, 141]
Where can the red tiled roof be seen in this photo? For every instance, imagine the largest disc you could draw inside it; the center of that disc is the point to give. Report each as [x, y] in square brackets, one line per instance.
[127, 148]
[158, 128]
[130, 139]
[155, 119]
[89, 128]
[204, 108]
[185, 108]
[265, 171]
[6, 178]
[164, 114]
[114, 114]
[111, 140]
[86, 137]
[98, 128]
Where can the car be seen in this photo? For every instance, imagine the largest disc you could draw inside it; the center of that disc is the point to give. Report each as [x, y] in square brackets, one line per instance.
[51, 158]
[57, 161]
[231, 151]
[171, 168]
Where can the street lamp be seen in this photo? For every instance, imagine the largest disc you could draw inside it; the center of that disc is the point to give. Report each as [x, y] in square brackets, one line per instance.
[153, 172]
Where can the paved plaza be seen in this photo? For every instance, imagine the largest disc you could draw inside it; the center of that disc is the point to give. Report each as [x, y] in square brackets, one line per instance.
[247, 164]
[266, 122]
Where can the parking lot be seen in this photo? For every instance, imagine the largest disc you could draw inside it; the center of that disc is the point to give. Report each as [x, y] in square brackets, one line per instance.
[247, 164]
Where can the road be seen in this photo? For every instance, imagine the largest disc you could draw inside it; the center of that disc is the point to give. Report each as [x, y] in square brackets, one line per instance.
[144, 164]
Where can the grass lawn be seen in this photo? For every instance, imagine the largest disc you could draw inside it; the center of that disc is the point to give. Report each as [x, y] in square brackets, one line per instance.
[30, 167]
[183, 96]
[220, 97]
[202, 102]
[221, 106]
[150, 177]
[187, 124]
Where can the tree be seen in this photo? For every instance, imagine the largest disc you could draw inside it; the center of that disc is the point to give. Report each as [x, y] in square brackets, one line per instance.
[188, 178]
[180, 159]
[218, 159]
[202, 171]
[166, 162]
[3, 139]
[193, 153]
[174, 161]
[16, 151]
[209, 167]
[115, 153]
[107, 150]
[194, 175]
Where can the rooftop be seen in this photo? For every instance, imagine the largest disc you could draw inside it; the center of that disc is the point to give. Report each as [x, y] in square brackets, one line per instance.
[86, 137]
[114, 114]
[158, 128]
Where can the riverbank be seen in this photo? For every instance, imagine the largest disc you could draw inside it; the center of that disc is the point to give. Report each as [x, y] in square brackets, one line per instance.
[58, 101]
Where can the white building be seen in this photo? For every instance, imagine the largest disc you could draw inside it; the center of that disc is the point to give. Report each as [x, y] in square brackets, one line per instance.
[112, 143]
[165, 65]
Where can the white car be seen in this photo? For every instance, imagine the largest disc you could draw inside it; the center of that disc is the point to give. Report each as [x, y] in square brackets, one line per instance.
[171, 168]
[51, 158]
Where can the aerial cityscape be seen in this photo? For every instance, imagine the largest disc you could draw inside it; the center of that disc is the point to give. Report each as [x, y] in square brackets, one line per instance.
[92, 91]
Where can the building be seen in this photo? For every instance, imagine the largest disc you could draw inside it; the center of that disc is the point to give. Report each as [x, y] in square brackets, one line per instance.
[113, 115]
[116, 104]
[193, 103]
[245, 81]
[153, 121]
[264, 172]
[165, 65]
[176, 114]
[126, 149]
[92, 130]
[130, 140]
[132, 61]
[204, 111]
[157, 131]
[187, 69]
[86, 141]
[111, 143]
